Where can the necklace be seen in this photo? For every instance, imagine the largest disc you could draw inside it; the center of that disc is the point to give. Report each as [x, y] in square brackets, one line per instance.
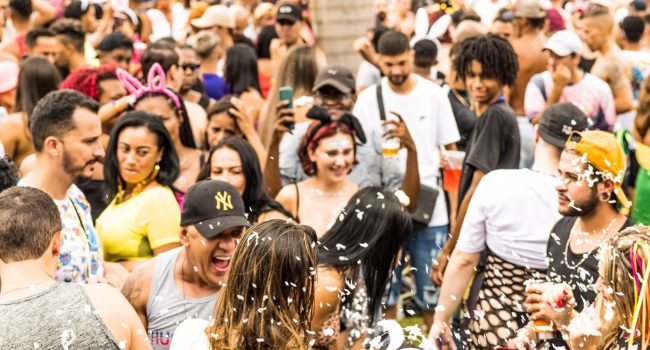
[463, 101]
[586, 254]
[31, 286]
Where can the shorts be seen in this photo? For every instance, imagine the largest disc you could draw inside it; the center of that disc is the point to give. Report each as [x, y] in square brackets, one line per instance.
[423, 246]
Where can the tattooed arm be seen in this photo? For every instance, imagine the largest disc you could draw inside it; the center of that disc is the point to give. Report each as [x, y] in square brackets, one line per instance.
[616, 78]
[136, 289]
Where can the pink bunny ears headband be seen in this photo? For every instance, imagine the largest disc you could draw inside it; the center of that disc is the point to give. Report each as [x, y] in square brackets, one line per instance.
[155, 84]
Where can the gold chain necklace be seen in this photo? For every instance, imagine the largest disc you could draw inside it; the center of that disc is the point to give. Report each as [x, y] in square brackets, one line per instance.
[586, 254]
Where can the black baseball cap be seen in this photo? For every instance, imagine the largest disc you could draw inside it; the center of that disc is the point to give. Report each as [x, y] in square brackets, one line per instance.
[212, 207]
[338, 77]
[288, 12]
[559, 121]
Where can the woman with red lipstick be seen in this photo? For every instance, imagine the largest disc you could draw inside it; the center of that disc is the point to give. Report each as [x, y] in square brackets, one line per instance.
[141, 165]
[327, 154]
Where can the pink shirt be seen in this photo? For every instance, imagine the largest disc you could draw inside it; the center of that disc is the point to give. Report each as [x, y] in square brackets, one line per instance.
[591, 94]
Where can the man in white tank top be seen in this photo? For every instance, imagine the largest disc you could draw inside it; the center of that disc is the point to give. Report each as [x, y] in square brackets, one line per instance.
[184, 282]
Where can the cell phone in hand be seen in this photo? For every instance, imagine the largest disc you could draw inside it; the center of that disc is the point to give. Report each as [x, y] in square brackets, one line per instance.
[286, 94]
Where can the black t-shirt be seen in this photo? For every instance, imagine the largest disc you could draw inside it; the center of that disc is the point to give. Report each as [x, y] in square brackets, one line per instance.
[493, 144]
[465, 118]
[582, 278]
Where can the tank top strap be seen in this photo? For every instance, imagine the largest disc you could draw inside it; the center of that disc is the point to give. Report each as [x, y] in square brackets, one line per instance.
[297, 203]
[163, 271]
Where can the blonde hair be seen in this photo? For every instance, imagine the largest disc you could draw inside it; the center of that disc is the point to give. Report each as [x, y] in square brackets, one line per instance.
[268, 301]
[631, 295]
[298, 70]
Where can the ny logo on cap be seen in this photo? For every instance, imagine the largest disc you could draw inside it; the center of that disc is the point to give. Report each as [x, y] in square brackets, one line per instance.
[224, 199]
[285, 9]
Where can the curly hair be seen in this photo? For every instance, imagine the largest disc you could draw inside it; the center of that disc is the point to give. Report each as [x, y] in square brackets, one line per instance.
[495, 54]
[8, 173]
[86, 80]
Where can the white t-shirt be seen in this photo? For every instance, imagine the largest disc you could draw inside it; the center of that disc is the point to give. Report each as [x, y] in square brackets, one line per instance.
[512, 212]
[367, 75]
[190, 335]
[430, 120]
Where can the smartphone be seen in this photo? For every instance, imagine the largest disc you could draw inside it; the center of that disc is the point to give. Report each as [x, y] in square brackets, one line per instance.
[286, 94]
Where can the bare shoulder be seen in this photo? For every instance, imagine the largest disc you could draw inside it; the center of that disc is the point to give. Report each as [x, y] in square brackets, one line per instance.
[287, 196]
[118, 315]
[137, 285]
[12, 124]
[103, 294]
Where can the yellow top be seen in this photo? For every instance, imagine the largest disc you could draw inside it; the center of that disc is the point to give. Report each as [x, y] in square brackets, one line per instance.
[129, 231]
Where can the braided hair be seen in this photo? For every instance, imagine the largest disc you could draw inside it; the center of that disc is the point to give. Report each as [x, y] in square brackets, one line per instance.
[495, 54]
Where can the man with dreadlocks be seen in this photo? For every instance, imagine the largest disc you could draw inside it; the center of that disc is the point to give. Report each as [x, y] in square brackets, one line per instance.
[487, 64]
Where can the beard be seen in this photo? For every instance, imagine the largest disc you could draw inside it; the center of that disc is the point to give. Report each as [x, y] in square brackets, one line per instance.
[74, 170]
[398, 82]
[583, 207]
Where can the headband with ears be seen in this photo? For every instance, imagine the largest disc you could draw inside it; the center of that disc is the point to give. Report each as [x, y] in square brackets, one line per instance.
[324, 117]
[155, 84]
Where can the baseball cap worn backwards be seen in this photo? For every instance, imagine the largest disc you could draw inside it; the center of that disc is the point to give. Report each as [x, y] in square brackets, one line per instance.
[603, 152]
[213, 207]
[559, 121]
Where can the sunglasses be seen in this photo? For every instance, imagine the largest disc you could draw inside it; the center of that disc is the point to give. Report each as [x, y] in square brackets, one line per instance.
[190, 66]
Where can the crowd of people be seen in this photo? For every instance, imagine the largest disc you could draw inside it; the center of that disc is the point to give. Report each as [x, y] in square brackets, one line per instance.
[196, 175]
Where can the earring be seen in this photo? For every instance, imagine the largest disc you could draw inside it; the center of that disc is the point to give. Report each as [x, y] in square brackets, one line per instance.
[154, 173]
[605, 196]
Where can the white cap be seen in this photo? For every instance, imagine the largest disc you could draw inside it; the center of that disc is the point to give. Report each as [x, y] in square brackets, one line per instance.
[564, 43]
[216, 15]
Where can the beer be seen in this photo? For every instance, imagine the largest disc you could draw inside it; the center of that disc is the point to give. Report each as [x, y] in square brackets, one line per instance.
[390, 152]
[390, 147]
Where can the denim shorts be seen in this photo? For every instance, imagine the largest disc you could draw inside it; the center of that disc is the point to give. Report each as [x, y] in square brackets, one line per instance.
[423, 246]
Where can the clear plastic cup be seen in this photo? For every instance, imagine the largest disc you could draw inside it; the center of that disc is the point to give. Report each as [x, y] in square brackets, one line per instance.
[390, 147]
[453, 171]
[543, 328]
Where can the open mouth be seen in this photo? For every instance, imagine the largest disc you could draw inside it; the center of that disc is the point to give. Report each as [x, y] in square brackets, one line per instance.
[221, 263]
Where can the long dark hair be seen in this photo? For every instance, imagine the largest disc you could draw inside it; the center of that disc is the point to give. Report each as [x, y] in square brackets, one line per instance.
[169, 164]
[185, 130]
[241, 69]
[37, 78]
[372, 228]
[255, 197]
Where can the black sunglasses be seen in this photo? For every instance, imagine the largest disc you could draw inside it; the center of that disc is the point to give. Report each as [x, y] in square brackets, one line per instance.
[191, 66]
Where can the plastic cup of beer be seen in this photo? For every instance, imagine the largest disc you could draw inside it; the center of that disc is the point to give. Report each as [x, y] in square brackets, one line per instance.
[543, 328]
[452, 172]
[390, 147]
